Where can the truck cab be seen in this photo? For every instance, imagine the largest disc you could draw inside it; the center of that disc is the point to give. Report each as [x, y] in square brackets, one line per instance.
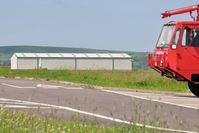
[176, 54]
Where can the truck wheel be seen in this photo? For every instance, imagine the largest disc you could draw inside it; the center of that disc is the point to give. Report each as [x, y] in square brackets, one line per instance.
[194, 88]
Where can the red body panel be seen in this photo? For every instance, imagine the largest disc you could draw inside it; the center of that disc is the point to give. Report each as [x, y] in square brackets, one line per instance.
[179, 63]
[177, 51]
[182, 61]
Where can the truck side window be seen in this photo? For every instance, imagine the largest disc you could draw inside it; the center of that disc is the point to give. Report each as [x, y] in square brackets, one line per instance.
[190, 37]
[175, 41]
[187, 37]
[184, 36]
[195, 41]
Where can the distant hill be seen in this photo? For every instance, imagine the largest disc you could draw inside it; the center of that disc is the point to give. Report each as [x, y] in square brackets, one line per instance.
[140, 58]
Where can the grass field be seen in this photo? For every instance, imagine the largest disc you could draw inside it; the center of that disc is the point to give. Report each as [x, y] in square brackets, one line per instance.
[15, 122]
[136, 79]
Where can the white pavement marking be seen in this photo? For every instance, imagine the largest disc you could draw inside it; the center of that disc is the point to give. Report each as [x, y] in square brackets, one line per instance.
[19, 87]
[42, 86]
[14, 104]
[57, 87]
[149, 99]
[48, 86]
[99, 116]
[23, 107]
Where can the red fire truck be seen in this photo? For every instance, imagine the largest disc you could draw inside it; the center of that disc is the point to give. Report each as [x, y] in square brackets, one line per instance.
[176, 54]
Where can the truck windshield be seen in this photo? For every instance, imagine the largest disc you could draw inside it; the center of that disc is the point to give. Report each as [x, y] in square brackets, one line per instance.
[165, 36]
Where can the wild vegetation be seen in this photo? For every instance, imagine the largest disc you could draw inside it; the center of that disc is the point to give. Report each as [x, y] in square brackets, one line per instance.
[136, 79]
[16, 122]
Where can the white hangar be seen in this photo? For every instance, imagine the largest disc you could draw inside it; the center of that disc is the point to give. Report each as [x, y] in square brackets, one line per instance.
[73, 61]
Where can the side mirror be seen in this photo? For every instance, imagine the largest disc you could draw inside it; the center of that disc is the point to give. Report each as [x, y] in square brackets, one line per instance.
[173, 46]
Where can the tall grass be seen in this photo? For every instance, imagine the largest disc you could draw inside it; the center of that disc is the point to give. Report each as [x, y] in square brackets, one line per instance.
[136, 79]
[15, 122]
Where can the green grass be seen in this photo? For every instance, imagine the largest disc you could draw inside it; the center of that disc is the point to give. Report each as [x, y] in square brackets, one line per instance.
[15, 122]
[136, 79]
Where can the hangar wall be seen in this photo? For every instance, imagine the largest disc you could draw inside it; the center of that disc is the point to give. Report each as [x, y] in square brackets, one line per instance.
[103, 61]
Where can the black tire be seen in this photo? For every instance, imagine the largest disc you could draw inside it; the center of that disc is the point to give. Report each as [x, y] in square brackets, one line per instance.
[194, 88]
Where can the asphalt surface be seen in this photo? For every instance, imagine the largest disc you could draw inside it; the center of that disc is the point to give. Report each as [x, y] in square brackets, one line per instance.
[170, 112]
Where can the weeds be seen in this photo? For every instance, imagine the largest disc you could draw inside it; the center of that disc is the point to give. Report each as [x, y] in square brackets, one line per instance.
[15, 122]
[136, 79]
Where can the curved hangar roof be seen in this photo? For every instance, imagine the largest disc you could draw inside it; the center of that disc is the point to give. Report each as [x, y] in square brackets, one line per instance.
[72, 55]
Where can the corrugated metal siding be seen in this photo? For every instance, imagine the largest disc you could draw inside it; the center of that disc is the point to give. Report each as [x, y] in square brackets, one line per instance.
[27, 63]
[122, 64]
[74, 55]
[94, 64]
[57, 63]
[79, 61]
[13, 62]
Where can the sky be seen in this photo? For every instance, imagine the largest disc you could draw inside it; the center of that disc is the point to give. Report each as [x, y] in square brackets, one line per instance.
[127, 25]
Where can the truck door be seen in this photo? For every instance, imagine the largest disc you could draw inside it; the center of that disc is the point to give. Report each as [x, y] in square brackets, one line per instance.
[189, 50]
[174, 50]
